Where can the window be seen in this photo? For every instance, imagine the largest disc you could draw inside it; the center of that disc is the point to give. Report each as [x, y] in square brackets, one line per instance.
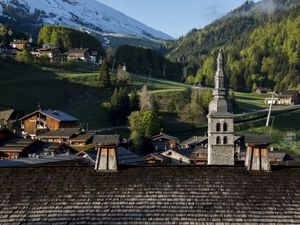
[218, 127]
[225, 127]
[218, 140]
[225, 141]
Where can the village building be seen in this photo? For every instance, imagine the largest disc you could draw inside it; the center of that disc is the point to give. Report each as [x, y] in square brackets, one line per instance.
[16, 148]
[220, 122]
[261, 90]
[285, 98]
[19, 44]
[164, 141]
[82, 139]
[42, 121]
[62, 135]
[194, 141]
[83, 54]
[156, 159]
[54, 54]
[178, 156]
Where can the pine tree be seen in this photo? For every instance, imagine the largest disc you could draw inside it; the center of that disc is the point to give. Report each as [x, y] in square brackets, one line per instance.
[120, 106]
[104, 76]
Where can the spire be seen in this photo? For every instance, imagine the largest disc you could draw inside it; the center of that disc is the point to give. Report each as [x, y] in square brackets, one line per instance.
[219, 77]
[220, 60]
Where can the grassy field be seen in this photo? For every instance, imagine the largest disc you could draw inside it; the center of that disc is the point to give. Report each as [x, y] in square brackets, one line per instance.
[76, 92]
[282, 125]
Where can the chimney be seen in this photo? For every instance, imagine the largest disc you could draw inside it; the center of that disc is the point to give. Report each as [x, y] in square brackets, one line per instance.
[257, 158]
[106, 160]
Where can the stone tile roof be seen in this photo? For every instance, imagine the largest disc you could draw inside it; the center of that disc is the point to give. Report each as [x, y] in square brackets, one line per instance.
[151, 195]
[60, 133]
[194, 140]
[162, 135]
[107, 139]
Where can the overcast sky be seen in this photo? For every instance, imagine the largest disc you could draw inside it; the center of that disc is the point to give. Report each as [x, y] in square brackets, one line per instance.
[174, 17]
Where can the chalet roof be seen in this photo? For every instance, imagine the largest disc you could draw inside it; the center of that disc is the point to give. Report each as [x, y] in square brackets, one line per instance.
[78, 51]
[48, 148]
[82, 137]
[166, 136]
[60, 133]
[6, 115]
[41, 160]
[107, 139]
[17, 145]
[263, 89]
[195, 140]
[55, 114]
[184, 152]
[149, 195]
[156, 156]
[257, 139]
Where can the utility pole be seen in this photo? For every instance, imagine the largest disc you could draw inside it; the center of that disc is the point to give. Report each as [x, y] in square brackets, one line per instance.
[113, 65]
[150, 73]
[270, 110]
[165, 71]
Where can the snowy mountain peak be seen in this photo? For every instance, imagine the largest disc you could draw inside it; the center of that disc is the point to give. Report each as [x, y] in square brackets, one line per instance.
[81, 14]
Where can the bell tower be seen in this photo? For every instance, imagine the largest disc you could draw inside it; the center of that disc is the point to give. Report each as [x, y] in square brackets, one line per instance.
[220, 122]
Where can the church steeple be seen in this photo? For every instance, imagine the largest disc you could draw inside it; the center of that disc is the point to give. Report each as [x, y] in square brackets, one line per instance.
[220, 122]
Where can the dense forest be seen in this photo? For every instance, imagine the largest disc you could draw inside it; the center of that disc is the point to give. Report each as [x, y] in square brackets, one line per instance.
[261, 42]
[68, 38]
[147, 61]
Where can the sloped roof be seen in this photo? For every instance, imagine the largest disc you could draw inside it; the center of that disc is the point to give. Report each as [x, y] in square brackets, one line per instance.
[55, 114]
[194, 140]
[113, 139]
[60, 133]
[257, 139]
[166, 136]
[6, 114]
[149, 195]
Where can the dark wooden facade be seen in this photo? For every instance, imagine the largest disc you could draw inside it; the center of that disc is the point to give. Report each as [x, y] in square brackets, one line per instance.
[38, 122]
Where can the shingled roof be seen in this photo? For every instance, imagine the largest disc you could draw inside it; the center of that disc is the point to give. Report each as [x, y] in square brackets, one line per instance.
[150, 195]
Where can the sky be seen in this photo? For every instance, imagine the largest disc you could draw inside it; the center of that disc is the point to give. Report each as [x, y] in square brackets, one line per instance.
[174, 17]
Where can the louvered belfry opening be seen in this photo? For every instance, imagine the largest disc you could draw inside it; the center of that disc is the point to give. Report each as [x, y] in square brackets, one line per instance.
[106, 160]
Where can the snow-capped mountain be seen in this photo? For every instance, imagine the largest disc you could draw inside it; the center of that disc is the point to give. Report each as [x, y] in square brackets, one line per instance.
[89, 15]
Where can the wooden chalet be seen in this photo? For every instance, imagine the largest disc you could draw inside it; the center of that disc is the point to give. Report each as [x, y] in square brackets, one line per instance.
[285, 98]
[53, 53]
[19, 44]
[41, 121]
[156, 159]
[83, 54]
[162, 141]
[15, 148]
[261, 90]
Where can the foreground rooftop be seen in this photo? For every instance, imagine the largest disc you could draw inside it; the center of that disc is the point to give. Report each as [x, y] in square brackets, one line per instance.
[149, 195]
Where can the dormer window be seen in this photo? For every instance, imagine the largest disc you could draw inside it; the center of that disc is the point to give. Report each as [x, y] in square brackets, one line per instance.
[218, 128]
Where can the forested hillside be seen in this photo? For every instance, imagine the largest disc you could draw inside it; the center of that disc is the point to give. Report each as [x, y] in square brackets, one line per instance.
[261, 42]
[68, 38]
